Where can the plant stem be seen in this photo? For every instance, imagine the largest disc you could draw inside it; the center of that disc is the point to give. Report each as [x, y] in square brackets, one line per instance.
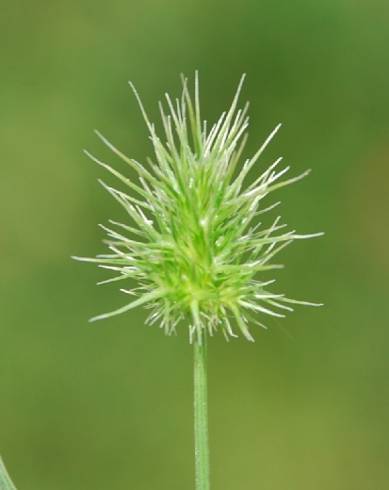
[5, 480]
[201, 414]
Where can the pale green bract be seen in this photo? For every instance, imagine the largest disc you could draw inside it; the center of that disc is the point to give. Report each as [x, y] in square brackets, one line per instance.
[192, 242]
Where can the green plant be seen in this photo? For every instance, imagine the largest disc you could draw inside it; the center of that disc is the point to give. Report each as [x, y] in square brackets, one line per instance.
[192, 243]
[5, 480]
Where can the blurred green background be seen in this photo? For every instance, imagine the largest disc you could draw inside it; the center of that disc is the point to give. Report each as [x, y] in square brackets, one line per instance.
[109, 405]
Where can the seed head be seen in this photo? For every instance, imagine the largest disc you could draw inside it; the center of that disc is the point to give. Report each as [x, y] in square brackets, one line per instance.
[192, 241]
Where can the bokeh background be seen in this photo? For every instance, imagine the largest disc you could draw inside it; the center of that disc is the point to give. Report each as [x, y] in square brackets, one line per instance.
[109, 405]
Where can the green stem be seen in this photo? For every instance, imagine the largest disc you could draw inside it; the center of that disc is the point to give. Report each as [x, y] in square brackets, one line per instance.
[5, 480]
[201, 414]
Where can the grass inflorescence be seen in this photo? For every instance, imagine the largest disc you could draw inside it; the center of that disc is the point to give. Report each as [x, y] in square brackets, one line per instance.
[192, 242]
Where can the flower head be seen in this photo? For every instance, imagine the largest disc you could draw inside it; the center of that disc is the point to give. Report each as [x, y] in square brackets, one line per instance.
[192, 241]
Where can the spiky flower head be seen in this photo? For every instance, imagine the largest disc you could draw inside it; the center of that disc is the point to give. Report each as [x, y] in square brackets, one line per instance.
[192, 241]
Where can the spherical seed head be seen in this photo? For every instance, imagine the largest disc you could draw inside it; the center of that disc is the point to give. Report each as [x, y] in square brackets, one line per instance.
[191, 242]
